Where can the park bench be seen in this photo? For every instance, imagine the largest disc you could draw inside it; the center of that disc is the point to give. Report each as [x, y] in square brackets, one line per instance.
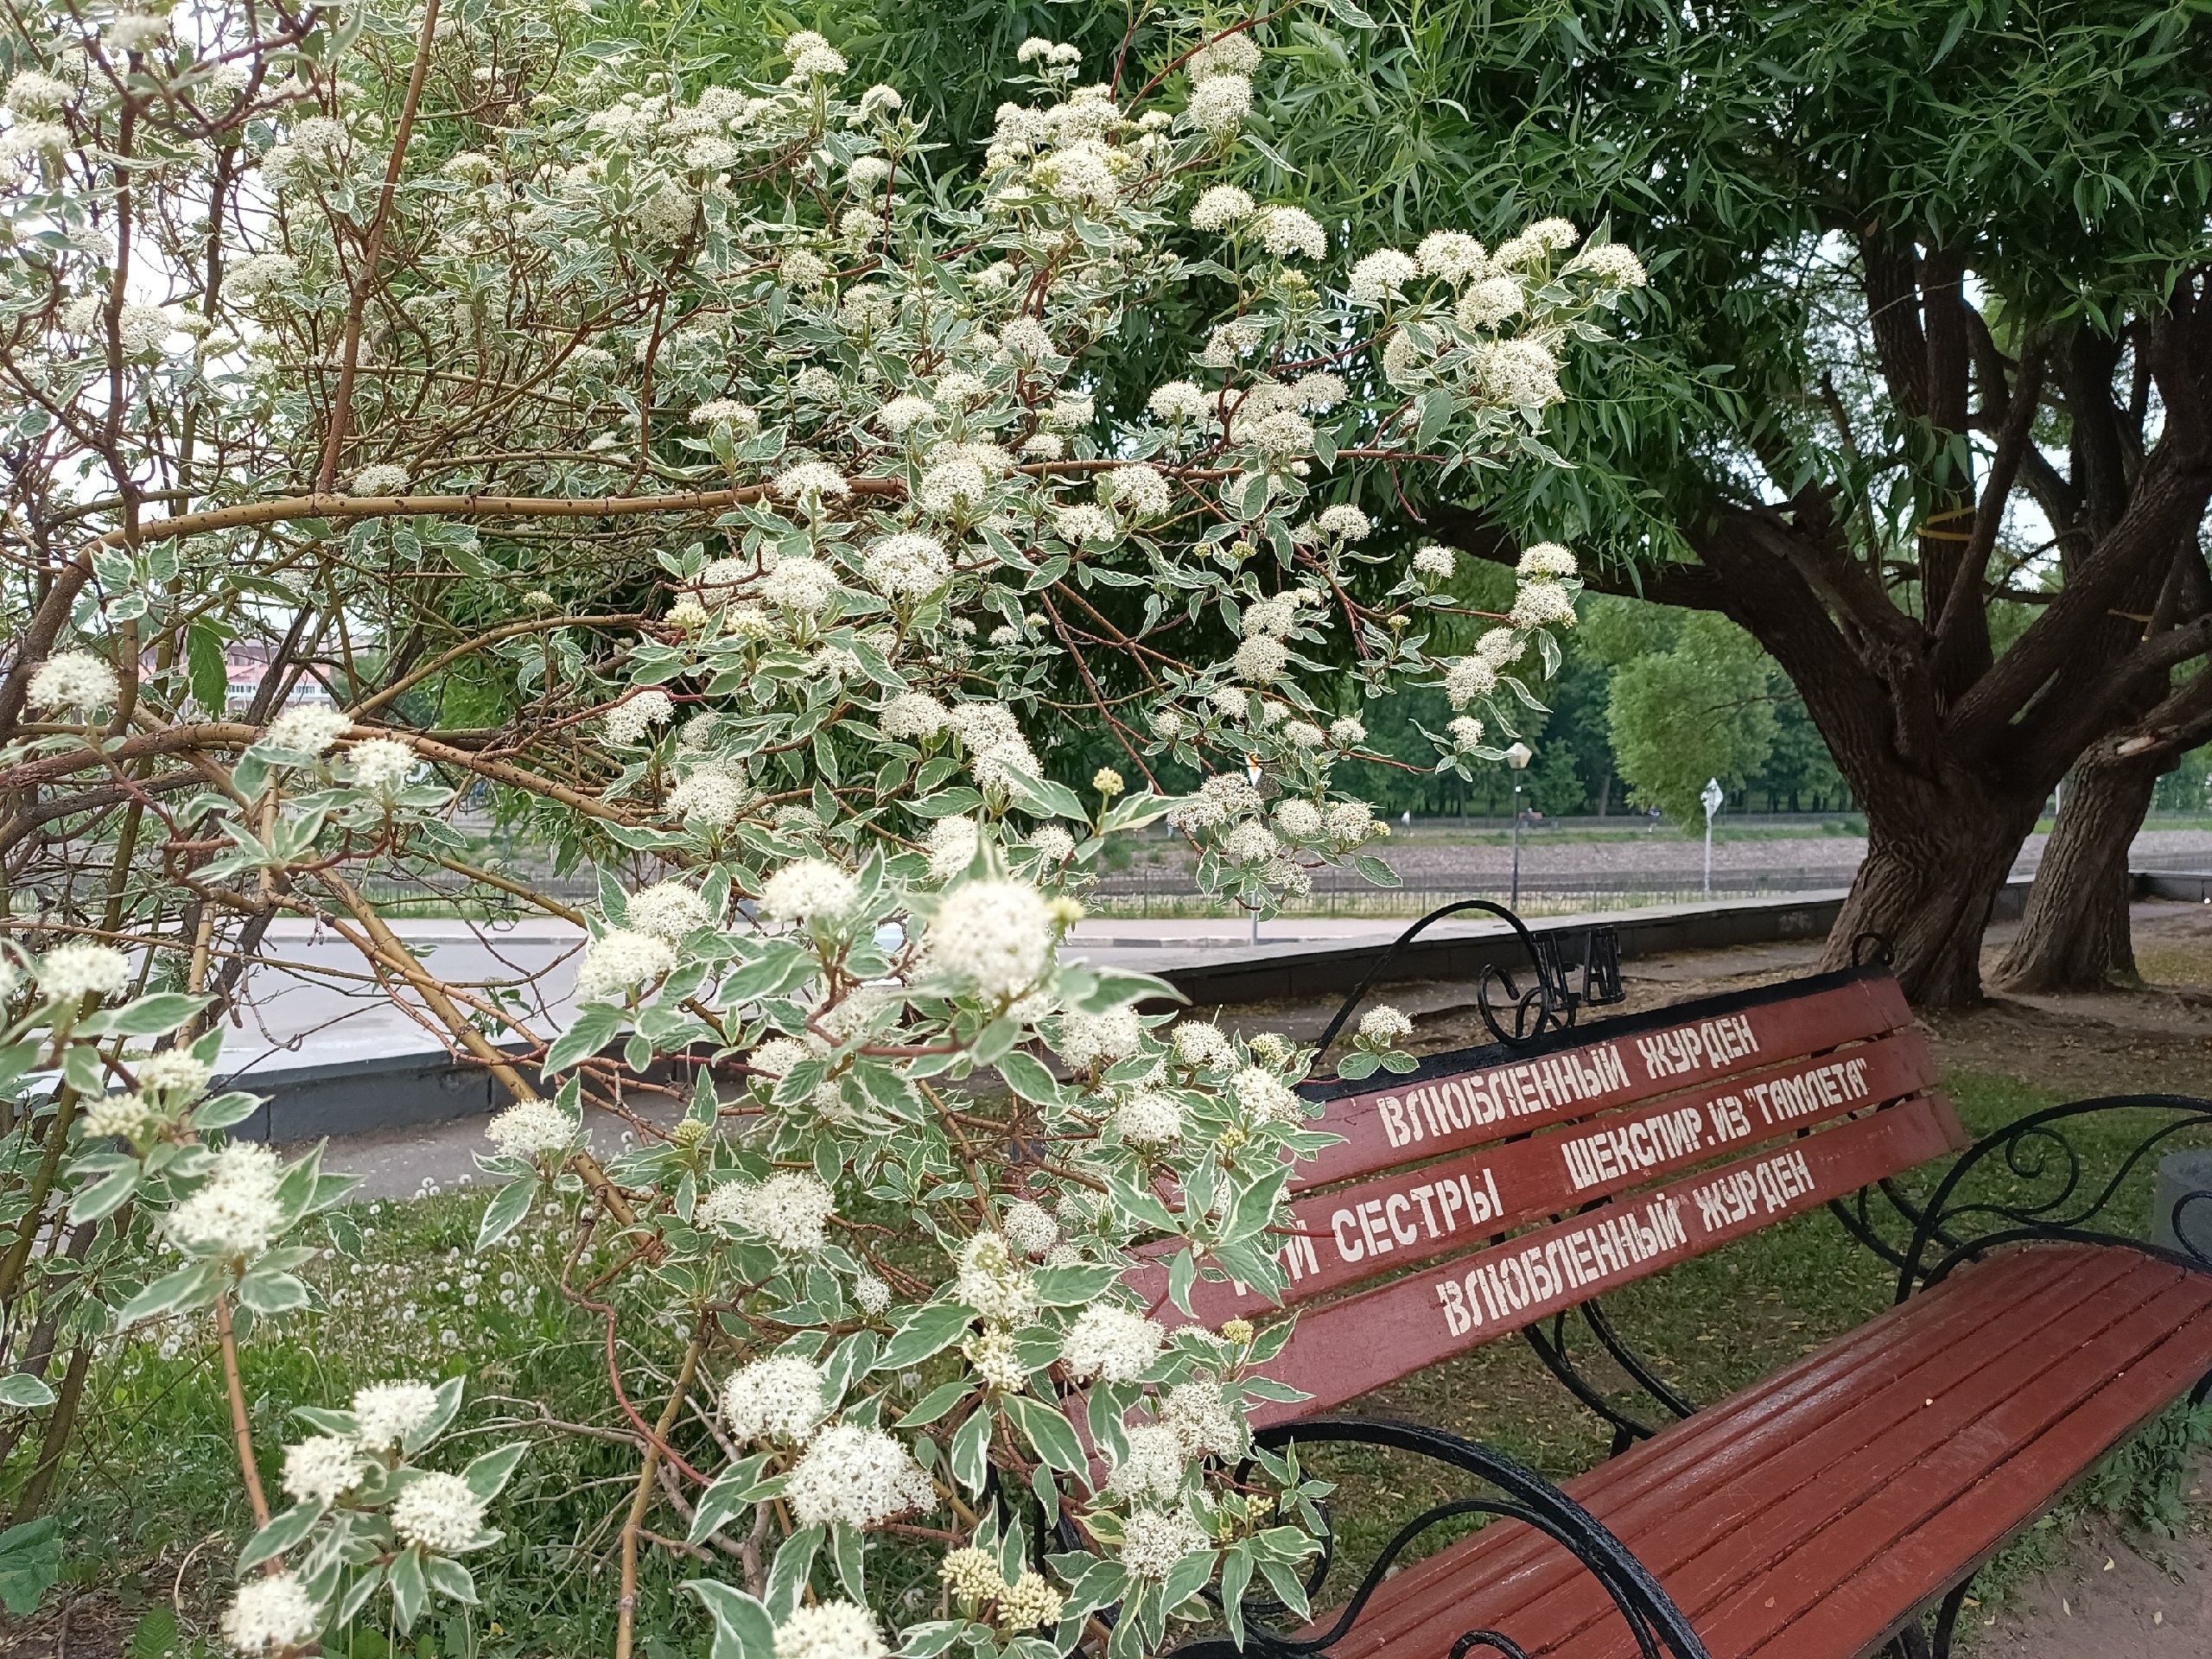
[1833, 1509]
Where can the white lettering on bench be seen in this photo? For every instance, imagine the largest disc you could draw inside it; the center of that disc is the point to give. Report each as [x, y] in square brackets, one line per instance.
[1549, 1084]
[1710, 1043]
[1610, 1153]
[1589, 1254]
[1762, 1188]
[1379, 1225]
[1780, 1099]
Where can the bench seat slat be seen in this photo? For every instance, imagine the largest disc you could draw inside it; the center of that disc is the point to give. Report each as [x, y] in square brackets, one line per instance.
[1386, 1225]
[1617, 1063]
[1721, 1451]
[1859, 1499]
[2032, 1473]
[1782, 1532]
[1377, 1336]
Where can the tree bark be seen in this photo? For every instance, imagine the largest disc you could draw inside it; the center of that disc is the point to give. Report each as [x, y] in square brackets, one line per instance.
[1923, 897]
[2075, 935]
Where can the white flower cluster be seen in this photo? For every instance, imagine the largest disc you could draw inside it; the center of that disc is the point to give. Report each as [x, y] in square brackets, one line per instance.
[778, 1399]
[307, 728]
[386, 1414]
[235, 1212]
[830, 1629]
[1111, 1344]
[855, 1477]
[269, 1615]
[992, 935]
[73, 681]
[69, 972]
[618, 962]
[531, 1129]
[1384, 1024]
[790, 1210]
[439, 1512]
[322, 1468]
[629, 720]
[994, 1281]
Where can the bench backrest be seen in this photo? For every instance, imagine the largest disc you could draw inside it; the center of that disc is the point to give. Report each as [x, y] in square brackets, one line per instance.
[1823, 1082]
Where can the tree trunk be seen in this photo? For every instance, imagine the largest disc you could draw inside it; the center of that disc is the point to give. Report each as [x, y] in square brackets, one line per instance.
[2075, 935]
[1934, 861]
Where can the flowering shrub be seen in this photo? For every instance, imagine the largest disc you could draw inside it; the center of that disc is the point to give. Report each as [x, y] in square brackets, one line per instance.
[693, 475]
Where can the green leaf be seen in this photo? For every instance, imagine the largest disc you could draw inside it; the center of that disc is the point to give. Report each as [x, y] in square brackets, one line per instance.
[939, 1401]
[448, 1402]
[1042, 797]
[272, 1292]
[971, 1445]
[788, 1574]
[1135, 811]
[848, 1548]
[504, 1213]
[450, 1580]
[1376, 870]
[1026, 1075]
[780, 966]
[1283, 1578]
[929, 1638]
[736, 1490]
[187, 1287]
[280, 1534]
[1073, 1287]
[1109, 990]
[21, 1391]
[925, 1331]
[30, 1561]
[596, 1024]
[209, 673]
[1236, 1574]
[105, 1196]
[221, 1111]
[152, 1016]
[946, 804]
[1358, 1065]
[1049, 1432]
[486, 1476]
[410, 1589]
[742, 1627]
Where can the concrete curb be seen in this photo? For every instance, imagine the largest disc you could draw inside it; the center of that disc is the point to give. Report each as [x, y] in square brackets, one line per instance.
[305, 1103]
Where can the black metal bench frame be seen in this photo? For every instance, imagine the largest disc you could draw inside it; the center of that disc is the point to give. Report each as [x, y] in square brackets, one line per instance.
[1943, 1231]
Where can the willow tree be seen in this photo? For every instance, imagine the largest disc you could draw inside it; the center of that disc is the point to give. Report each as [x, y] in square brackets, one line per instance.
[1920, 400]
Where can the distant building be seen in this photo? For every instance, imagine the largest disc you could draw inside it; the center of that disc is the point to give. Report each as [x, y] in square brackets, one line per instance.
[246, 663]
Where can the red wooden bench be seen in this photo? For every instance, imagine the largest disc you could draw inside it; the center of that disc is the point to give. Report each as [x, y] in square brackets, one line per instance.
[1832, 1508]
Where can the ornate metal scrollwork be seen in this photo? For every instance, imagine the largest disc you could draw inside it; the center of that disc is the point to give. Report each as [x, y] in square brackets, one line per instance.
[1553, 999]
[2064, 1200]
[1552, 1350]
[1658, 1626]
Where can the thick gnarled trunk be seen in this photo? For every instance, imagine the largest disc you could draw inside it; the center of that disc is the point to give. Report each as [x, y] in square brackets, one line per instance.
[2075, 935]
[1923, 897]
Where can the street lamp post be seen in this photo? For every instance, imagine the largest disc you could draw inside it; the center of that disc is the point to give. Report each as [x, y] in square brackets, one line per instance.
[1517, 757]
[1252, 775]
[1710, 799]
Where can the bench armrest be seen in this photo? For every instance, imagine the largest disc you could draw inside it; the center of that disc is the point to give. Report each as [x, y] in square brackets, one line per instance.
[1510, 1491]
[2070, 1173]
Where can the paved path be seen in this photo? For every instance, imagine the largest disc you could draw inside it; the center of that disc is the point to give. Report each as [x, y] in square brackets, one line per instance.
[312, 1003]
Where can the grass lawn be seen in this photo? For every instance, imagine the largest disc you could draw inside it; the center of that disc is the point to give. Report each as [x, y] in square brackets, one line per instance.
[414, 1301]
